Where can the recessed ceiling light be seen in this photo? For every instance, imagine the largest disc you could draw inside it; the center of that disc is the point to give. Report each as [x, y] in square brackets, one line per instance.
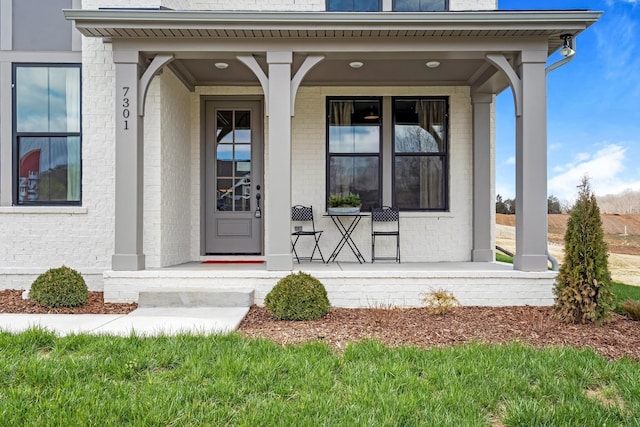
[433, 64]
[356, 64]
[221, 65]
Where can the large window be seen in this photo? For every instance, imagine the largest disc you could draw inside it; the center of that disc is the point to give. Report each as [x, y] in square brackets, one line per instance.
[420, 5]
[353, 157]
[47, 134]
[420, 154]
[417, 171]
[353, 5]
[398, 5]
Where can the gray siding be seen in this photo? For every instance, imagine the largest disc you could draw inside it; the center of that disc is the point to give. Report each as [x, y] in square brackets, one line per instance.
[39, 25]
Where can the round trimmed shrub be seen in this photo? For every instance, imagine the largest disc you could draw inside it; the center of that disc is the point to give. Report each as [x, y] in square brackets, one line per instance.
[59, 287]
[297, 297]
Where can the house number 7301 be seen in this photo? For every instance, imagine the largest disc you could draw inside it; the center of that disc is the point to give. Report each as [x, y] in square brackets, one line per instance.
[125, 107]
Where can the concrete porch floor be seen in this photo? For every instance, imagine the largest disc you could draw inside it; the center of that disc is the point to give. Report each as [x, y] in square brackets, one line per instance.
[381, 284]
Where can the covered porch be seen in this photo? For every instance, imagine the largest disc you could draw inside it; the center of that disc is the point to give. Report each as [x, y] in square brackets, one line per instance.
[291, 64]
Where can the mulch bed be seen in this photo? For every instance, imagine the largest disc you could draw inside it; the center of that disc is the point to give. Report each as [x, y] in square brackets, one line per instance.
[11, 302]
[536, 326]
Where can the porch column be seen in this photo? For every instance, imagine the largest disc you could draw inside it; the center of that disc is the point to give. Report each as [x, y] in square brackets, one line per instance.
[531, 165]
[278, 176]
[483, 170]
[129, 164]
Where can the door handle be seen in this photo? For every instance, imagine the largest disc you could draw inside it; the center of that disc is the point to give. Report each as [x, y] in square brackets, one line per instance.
[258, 212]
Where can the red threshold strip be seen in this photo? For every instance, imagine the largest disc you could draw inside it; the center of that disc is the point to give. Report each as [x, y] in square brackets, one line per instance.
[229, 261]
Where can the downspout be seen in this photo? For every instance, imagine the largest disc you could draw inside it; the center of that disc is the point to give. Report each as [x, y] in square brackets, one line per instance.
[550, 68]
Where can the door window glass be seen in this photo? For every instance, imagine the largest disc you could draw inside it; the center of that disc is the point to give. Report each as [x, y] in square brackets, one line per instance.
[233, 160]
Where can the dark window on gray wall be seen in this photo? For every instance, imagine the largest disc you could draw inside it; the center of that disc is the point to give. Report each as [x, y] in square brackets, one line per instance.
[353, 148]
[39, 25]
[353, 5]
[420, 151]
[420, 5]
[47, 134]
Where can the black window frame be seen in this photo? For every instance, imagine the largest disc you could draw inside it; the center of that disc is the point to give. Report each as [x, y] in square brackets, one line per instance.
[329, 9]
[444, 155]
[16, 135]
[329, 155]
[445, 8]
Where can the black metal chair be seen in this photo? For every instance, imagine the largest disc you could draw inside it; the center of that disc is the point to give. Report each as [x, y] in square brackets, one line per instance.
[385, 222]
[304, 214]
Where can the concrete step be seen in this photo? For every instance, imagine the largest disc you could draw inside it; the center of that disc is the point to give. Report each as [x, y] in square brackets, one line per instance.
[196, 298]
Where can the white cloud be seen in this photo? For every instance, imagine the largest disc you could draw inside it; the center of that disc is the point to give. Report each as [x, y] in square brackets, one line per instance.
[613, 2]
[510, 161]
[604, 168]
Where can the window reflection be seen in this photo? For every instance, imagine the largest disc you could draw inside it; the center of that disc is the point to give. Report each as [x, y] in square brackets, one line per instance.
[354, 148]
[49, 169]
[359, 175]
[353, 5]
[420, 5]
[420, 154]
[48, 140]
[47, 99]
[233, 160]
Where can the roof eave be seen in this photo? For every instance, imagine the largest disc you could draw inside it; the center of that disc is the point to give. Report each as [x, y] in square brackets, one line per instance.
[329, 20]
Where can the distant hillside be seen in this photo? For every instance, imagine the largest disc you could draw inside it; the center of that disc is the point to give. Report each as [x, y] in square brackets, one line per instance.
[613, 225]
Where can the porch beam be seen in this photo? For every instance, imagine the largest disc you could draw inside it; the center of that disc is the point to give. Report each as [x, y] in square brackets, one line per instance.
[278, 173]
[399, 47]
[514, 80]
[307, 65]
[129, 166]
[253, 65]
[483, 172]
[531, 165]
[157, 64]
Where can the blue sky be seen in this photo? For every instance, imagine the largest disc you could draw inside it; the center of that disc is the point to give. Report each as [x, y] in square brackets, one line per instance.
[593, 105]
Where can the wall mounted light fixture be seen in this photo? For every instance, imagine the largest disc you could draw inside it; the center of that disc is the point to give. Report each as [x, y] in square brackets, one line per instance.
[567, 45]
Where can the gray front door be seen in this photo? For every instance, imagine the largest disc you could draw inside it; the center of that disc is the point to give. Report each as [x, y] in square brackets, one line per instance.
[233, 177]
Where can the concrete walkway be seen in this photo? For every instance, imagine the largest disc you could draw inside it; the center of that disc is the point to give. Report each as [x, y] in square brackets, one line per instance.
[142, 321]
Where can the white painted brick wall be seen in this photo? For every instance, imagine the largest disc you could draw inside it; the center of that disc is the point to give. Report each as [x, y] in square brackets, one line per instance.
[83, 237]
[271, 5]
[152, 216]
[176, 171]
[353, 288]
[425, 237]
[172, 4]
[473, 4]
[37, 239]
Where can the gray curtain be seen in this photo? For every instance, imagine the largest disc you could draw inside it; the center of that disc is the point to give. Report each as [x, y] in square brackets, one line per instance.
[341, 112]
[431, 117]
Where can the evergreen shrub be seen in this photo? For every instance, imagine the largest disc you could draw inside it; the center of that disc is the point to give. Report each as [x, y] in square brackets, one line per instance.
[59, 287]
[583, 289]
[297, 297]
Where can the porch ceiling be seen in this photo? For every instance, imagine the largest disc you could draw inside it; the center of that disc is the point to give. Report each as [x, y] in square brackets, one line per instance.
[337, 72]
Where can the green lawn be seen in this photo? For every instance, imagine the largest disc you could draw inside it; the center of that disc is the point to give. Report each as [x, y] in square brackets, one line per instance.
[229, 380]
[624, 292]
